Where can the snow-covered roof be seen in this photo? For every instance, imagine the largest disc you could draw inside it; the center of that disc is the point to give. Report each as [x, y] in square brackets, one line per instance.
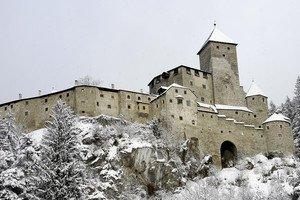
[209, 106]
[167, 88]
[228, 107]
[218, 36]
[277, 117]
[255, 90]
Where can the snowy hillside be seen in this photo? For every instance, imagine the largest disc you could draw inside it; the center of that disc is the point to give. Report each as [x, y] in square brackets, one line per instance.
[109, 158]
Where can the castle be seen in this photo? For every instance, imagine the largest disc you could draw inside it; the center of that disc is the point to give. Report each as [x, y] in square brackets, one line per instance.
[206, 105]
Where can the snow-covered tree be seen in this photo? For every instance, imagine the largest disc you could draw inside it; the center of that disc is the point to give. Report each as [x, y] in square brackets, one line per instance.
[287, 109]
[272, 108]
[10, 136]
[296, 121]
[59, 176]
[88, 80]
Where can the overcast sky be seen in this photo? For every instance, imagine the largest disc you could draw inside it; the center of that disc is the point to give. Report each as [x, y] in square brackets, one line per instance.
[51, 43]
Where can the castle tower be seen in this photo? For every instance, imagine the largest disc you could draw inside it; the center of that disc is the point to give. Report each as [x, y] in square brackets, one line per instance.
[278, 134]
[257, 101]
[218, 56]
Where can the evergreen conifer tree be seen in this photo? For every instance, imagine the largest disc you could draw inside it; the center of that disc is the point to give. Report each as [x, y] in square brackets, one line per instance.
[296, 121]
[272, 108]
[59, 176]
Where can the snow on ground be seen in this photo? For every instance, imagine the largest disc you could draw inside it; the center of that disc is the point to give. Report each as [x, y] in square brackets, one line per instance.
[103, 143]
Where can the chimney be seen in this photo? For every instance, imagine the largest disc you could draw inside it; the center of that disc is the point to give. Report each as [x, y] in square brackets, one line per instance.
[20, 96]
[76, 82]
[112, 86]
[39, 92]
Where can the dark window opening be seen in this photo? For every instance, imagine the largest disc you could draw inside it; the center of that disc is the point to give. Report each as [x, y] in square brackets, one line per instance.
[128, 96]
[203, 86]
[204, 75]
[175, 71]
[180, 118]
[191, 83]
[11, 106]
[193, 122]
[97, 103]
[179, 101]
[101, 95]
[109, 106]
[202, 99]
[144, 107]
[112, 96]
[228, 48]
[176, 90]
[68, 94]
[46, 100]
[60, 96]
[236, 112]
[254, 116]
[171, 100]
[281, 126]
[83, 112]
[188, 71]
[218, 47]
[46, 109]
[26, 103]
[184, 91]
[139, 98]
[26, 113]
[129, 107]
[197, 73]
[149, 99]
[223, 55]
[268, 127]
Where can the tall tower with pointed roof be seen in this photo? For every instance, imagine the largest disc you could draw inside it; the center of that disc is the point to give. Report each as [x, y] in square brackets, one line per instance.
[218, 56]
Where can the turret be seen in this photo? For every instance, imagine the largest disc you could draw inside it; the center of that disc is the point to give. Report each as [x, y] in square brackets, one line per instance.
[218, 56]
[278, 134]
[257, 101]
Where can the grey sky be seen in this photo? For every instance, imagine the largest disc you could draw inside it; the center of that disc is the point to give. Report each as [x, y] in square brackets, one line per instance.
[46, 43]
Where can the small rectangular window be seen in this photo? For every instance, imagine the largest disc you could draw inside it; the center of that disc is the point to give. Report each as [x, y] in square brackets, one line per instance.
[144, 107]
[196, 73]
[112, 96]
[175, 71]
[83, 112]
[128, 97]
[101, 95]
[68, 94]
[129, 107]
[46, 100]
[60, 96]
[202, 99]
[179, 101]
[97, 103]
[184, 91]
[171, 100]
[203, 86]
[11, 106]
[46, 109]
[176, 90]
[109, 106]
[191, 83]
[5, 108]
[26, 103]
[205, 75]
[26, 113]
[188, 102]
[180, 118]
[188, 71]
[139, 98]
